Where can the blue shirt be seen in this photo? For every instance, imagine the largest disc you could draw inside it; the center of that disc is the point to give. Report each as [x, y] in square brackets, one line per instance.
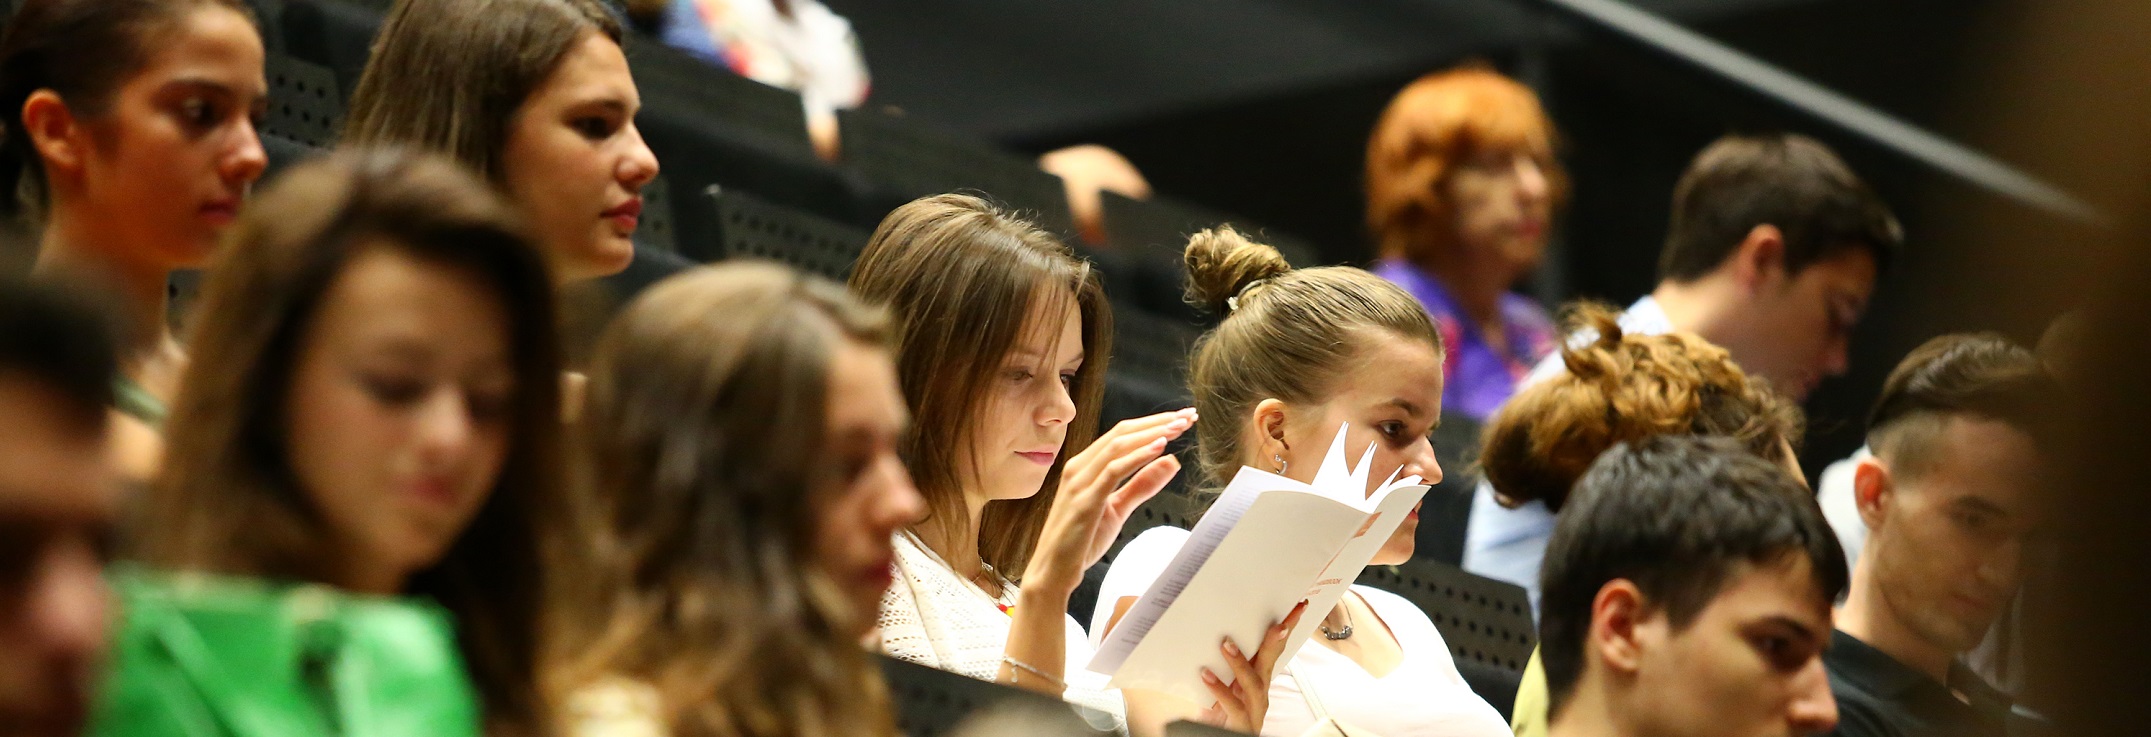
[1510, 544]
[1476, 379]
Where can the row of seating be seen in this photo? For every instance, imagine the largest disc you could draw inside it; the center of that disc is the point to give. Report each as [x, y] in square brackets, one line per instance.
[741, 181]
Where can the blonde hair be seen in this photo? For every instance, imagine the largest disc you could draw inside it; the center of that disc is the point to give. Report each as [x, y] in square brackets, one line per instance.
[959, 276]
[705, 433]
[1623, 388]
[1285, 333]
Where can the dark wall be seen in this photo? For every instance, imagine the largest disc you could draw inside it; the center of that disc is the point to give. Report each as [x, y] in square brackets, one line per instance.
[1631, 120]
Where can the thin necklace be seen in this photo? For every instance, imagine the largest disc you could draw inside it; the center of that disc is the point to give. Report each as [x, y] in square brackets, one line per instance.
[1343, 633]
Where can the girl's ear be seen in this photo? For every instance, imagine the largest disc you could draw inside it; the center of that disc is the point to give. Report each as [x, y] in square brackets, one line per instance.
[54, 131]
[1268, 422]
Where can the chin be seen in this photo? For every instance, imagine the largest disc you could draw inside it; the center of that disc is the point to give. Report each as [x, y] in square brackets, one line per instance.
[610, 256]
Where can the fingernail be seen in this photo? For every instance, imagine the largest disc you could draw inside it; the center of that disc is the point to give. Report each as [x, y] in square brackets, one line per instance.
[1231, 649]
[1207, 676]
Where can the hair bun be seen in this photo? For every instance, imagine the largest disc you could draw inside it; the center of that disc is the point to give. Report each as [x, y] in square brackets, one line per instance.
[1221, 263]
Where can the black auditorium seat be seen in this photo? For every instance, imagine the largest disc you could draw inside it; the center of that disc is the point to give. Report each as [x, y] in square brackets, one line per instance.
[1184, 728]
[709, 126]
[735, 224]
[1487, 623]
[1151, 235]
[1445, 515]
[905, 159]
[1162, 224]
[306, 110]
[337, 34]
[931, 702]
[1149, 363]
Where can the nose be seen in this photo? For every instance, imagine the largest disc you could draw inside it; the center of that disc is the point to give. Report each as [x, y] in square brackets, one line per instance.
[1837, 357]
[1999, 571]
[67, 607]
[1813, 710]
[900, 502]
[1531, 180]
[246, 161]
[639, 166]
[1059, 407]
[444, 426]
[1423, 463]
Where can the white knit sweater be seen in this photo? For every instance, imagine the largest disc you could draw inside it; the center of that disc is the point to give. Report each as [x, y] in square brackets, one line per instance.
[934, 617]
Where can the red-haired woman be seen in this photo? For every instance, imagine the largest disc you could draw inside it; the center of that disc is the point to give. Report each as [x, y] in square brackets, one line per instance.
[1461, 187]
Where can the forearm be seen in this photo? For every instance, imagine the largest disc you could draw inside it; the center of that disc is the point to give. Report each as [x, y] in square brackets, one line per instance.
[1037, 638]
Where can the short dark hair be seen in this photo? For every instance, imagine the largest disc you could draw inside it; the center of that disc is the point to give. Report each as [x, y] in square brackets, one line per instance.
[59, 340]
[1733, 508]
[1975, 374]
[1791, 181]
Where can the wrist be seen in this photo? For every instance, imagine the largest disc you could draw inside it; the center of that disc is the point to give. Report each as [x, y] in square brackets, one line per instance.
[1045, 591]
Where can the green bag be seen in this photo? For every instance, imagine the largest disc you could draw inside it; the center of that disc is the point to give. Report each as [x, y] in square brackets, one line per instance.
[202, 656]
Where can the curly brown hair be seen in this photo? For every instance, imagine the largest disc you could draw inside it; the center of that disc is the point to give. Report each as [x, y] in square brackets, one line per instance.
[1623, 388]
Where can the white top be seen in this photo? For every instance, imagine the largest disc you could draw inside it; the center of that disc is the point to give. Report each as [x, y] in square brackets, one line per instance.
[1424, 696]
[1839, 505]
[1510, 544]
[813, 51]
[934, 617]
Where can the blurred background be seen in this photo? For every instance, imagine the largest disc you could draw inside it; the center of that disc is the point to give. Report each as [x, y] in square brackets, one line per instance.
[1263, 107]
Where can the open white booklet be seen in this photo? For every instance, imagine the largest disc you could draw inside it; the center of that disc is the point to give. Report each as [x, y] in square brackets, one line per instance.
[1267, 543]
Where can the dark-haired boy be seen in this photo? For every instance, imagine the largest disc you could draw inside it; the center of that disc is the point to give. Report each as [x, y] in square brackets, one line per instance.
[1772, 252]
[1948, 499]
[1706, 623]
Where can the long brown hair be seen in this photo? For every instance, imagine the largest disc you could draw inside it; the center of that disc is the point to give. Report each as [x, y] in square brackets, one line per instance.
[1285, 333]
[704, 428]
[449, 75]
[228, 499]
[960, 276]
[1623, 388]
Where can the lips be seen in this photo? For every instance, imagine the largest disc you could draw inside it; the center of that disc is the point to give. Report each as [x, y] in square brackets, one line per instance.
[626, 215]
[434, 491]
[220, 211]
[1040, 457]
[879, 575]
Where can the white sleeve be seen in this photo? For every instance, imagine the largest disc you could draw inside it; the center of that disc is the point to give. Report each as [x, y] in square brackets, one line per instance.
[1131, 573]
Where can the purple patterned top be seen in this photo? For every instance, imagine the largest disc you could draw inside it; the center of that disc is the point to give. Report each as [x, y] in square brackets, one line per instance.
[1476, 379]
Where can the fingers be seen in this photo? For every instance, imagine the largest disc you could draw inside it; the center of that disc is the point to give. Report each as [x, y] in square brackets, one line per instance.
[1149, 422]
[1131, 436]
[1120, 466]
[1145, 484]
[1273, 642]
[1244, 677]
[1229, 702]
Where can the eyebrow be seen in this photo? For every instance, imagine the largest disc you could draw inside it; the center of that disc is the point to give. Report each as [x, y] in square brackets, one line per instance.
[1798, 627]
[1406, 405]
[1976, 504]
[211, 85]
[613, 104]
